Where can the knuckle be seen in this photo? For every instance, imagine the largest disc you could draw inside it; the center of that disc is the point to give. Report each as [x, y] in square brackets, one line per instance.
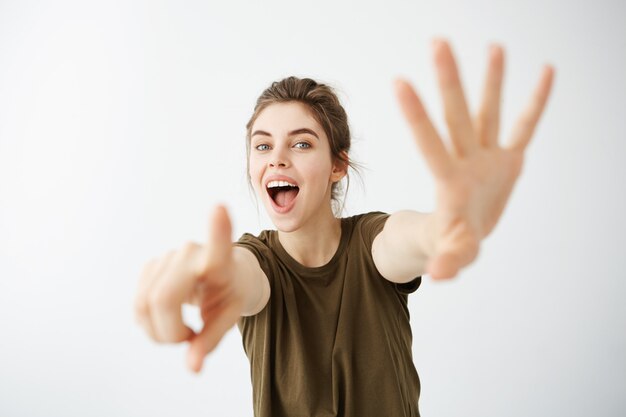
[152, 262]
[141, 307]
[189, 248]
[149, 267]
[484, 117]
[160, 298]
[155, 337]
[168, 256]
[473, 248]
[207, 267]
[453, 121]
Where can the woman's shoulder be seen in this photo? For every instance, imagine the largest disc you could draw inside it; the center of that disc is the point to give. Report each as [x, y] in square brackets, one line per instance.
[263, 239]
[367, 219]
[366, 225]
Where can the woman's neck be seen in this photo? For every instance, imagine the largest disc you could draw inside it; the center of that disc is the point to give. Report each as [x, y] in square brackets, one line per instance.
[316, 242]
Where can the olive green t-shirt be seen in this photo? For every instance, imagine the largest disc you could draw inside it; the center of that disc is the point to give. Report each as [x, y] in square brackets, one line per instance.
[333, 340]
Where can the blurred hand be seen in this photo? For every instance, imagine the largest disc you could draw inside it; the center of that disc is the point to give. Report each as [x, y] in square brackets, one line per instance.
[474, 176]
[194, 274]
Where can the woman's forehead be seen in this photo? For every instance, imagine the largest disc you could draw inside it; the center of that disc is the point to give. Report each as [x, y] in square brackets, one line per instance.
[285, 117]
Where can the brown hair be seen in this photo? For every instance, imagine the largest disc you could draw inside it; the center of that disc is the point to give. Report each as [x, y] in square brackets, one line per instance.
[325, 108]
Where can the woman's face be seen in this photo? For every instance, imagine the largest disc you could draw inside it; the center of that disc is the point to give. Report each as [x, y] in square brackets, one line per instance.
[291, 166]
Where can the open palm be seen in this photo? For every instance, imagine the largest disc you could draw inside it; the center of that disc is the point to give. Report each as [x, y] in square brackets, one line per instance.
[475, 176]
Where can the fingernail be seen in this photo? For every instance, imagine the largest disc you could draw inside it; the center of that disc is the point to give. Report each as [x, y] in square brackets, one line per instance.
[493, 49]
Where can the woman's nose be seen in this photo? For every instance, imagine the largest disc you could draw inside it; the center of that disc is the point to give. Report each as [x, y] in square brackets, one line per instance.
[278, 159]
[277, 163]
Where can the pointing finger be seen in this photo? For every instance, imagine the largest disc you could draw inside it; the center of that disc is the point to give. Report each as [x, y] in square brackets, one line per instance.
[219, 243]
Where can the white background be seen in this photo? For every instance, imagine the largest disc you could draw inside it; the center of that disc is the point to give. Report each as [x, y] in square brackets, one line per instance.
[122, 124]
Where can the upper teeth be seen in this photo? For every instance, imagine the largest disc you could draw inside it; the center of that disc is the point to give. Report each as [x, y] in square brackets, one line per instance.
[273, 184]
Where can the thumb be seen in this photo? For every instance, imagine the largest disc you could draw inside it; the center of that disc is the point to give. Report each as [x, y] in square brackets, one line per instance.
[219, 243]
[449, 260]
[222, 319]
[442, 266]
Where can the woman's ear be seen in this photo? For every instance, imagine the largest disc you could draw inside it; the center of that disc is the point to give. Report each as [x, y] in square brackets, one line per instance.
[340, 167]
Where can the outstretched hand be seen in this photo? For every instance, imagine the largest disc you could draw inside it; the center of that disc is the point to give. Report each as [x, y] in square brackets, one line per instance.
[475, 175]
[202, 275]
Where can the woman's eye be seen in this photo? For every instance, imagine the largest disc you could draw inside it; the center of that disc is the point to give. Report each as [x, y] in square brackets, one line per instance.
[302, 145]
[262, 147]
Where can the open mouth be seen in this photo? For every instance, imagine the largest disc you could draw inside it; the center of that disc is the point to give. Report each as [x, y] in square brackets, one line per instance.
[283, 195]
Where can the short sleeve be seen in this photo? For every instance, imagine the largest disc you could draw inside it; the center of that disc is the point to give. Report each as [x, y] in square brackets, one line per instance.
[260, 249]
[370, 226]
[263, 253]
[409, 287]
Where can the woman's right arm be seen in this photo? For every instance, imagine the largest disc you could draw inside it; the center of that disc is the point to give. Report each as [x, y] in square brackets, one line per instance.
[254, 283]
[223, 280]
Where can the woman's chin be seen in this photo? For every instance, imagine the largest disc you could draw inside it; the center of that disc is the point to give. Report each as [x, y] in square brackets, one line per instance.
[286, 223]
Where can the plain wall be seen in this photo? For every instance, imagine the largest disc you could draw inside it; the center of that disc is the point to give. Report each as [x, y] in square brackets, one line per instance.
[122, 124]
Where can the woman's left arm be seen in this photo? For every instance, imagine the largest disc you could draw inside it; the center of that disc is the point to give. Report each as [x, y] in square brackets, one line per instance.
[474, 176]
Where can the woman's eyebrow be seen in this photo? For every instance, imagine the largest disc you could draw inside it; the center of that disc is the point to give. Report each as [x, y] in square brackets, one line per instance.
[293, 132]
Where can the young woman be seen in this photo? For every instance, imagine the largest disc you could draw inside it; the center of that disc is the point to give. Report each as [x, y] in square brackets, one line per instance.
[321, 302]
